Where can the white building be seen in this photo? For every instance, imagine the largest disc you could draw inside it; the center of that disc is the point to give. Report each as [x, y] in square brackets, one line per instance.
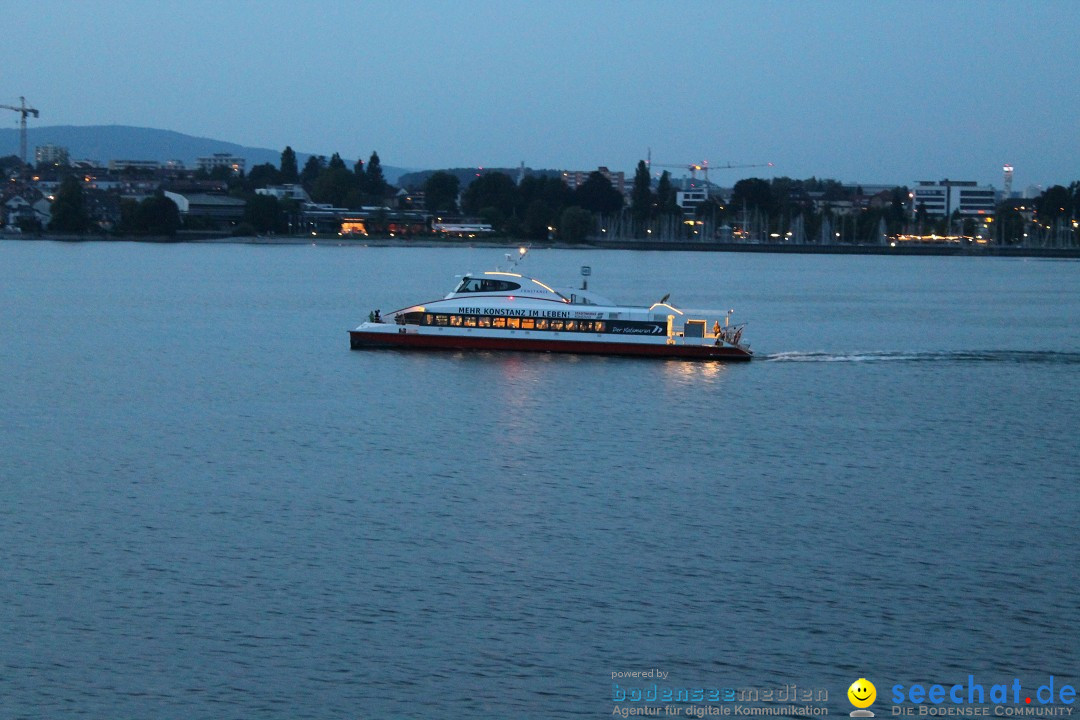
[690, 200]
[236, 164]
[943, 198]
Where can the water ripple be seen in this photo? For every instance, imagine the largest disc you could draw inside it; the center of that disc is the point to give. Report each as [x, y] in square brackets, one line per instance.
[956, 356]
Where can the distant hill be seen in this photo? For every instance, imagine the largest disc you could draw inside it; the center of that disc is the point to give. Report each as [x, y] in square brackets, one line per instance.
[124, 142]
[415, 180]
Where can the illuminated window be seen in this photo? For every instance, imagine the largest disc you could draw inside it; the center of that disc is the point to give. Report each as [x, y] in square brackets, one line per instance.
[528, 323]
[556, 324]
[499, 322]
[441, 320]
[455, 320]
[599, 327]
[513, 322]
[483, 322]
[585, 326]
[429, 320]
[571, 325]
[542, 324]
[470, 321]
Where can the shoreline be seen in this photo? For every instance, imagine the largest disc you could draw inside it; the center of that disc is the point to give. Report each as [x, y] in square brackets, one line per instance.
[645, 245]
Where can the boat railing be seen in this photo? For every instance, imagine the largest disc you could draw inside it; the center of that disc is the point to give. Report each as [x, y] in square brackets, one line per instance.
[731, 334]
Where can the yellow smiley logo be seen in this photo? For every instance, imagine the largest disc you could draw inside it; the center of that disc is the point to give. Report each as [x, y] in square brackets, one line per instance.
[862, 693]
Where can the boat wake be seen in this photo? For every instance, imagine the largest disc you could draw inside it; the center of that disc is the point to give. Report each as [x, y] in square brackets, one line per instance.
[961, 356]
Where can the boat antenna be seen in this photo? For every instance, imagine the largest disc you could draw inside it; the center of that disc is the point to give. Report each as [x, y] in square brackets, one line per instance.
[522, 252]
[665, 298]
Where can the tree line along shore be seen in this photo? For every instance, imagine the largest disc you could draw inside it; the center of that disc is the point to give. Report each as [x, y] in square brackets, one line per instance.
[536, 206]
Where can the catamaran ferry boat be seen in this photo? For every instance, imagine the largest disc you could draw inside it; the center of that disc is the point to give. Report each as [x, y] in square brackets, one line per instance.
[499, 310]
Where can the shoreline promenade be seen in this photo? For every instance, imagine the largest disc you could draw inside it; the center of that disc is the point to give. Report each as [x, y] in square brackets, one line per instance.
[953, 249]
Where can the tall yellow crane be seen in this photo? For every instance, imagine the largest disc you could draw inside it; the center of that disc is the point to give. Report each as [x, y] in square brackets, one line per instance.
[22, 126]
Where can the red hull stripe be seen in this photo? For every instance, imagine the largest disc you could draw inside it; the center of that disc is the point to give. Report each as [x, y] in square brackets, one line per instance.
[360, 340]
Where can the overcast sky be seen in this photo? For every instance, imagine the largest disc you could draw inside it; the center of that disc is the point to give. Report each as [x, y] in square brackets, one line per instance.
[863, 91]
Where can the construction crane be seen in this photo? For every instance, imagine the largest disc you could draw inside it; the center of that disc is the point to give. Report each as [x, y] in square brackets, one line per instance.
[22, 126]
[703, 167]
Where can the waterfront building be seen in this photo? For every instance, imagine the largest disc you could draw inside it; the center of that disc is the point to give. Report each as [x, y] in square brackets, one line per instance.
[321, 218]
[210, 162]
[463, 229]
[943, 198]
[219, 211]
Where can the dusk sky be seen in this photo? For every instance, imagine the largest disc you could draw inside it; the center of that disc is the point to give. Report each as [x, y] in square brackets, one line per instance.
[873, 92]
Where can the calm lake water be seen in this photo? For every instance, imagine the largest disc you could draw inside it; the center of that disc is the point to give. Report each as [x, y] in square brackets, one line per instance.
[211, 508]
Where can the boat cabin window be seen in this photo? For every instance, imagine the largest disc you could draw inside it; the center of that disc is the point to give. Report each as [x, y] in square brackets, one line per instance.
[694, 328]
[511, 322]
[470, 284]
